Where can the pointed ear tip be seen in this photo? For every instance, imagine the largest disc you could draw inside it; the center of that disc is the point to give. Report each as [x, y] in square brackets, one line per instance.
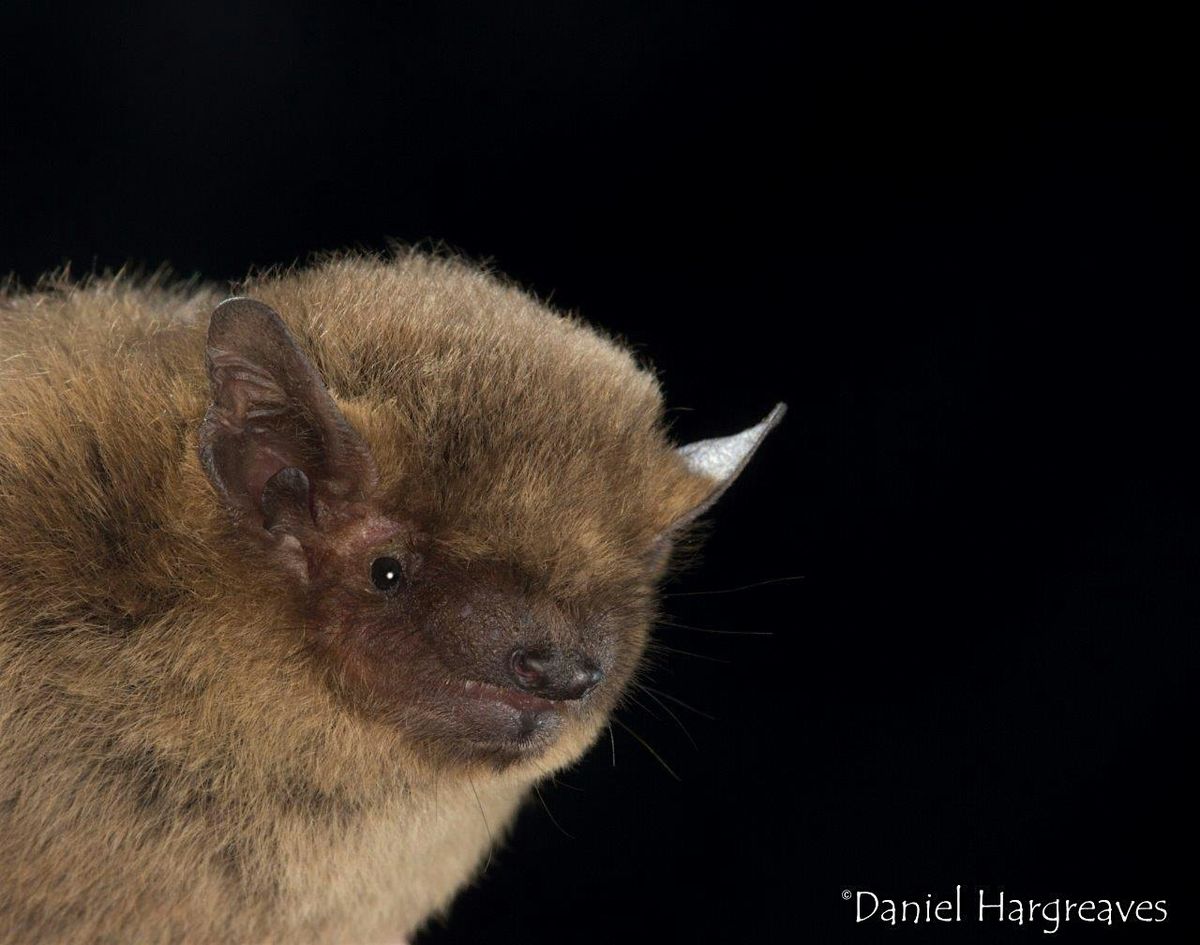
[771, 420]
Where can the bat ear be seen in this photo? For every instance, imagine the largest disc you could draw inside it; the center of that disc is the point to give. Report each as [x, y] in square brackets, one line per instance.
[274, 444]
[721, 460]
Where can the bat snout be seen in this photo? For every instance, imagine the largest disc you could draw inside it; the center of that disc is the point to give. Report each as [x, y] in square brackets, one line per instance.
[552, 673]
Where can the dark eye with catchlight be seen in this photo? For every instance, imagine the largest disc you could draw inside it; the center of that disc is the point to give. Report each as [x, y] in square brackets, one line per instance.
[387, 574]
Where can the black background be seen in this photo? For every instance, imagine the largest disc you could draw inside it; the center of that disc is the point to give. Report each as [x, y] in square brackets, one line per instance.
[951, 236]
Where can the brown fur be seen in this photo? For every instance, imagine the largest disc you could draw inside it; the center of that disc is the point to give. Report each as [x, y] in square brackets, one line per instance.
[182, 757]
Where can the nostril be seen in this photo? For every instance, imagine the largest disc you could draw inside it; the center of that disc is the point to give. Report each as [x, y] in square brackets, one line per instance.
[529, 669]
[554, 675]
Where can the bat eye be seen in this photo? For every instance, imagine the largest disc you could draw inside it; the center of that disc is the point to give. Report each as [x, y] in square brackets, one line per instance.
[387, 574]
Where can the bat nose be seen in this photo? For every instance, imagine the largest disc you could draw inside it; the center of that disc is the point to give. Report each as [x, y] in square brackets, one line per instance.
[552, 674]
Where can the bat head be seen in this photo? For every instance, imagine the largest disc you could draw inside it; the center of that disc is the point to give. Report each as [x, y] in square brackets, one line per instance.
[470, 534]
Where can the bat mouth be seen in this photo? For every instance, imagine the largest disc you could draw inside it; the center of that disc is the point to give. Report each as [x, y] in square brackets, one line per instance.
[517, 699]
[507, 724]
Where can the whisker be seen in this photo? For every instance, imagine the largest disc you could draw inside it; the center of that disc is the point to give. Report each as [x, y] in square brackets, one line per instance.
[679, 702]
[727, 633]
[641, 705]
[546, 808]
[655, 645]
[666, 708]
[486, 826]
[744, 587]
[646, 745]
[613, 740]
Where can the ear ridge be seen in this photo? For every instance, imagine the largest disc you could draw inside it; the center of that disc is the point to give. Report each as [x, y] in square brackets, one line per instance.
[243, 324]
[271, 411]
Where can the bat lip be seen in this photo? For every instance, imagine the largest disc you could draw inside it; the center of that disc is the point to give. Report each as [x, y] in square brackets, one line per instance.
[518, 699]
[506, 724]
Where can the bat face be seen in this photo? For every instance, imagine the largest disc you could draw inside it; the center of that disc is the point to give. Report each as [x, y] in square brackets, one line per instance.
[474, 660]
[471, 557]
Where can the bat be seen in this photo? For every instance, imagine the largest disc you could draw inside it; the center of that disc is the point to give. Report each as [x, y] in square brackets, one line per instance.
[302, 591]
